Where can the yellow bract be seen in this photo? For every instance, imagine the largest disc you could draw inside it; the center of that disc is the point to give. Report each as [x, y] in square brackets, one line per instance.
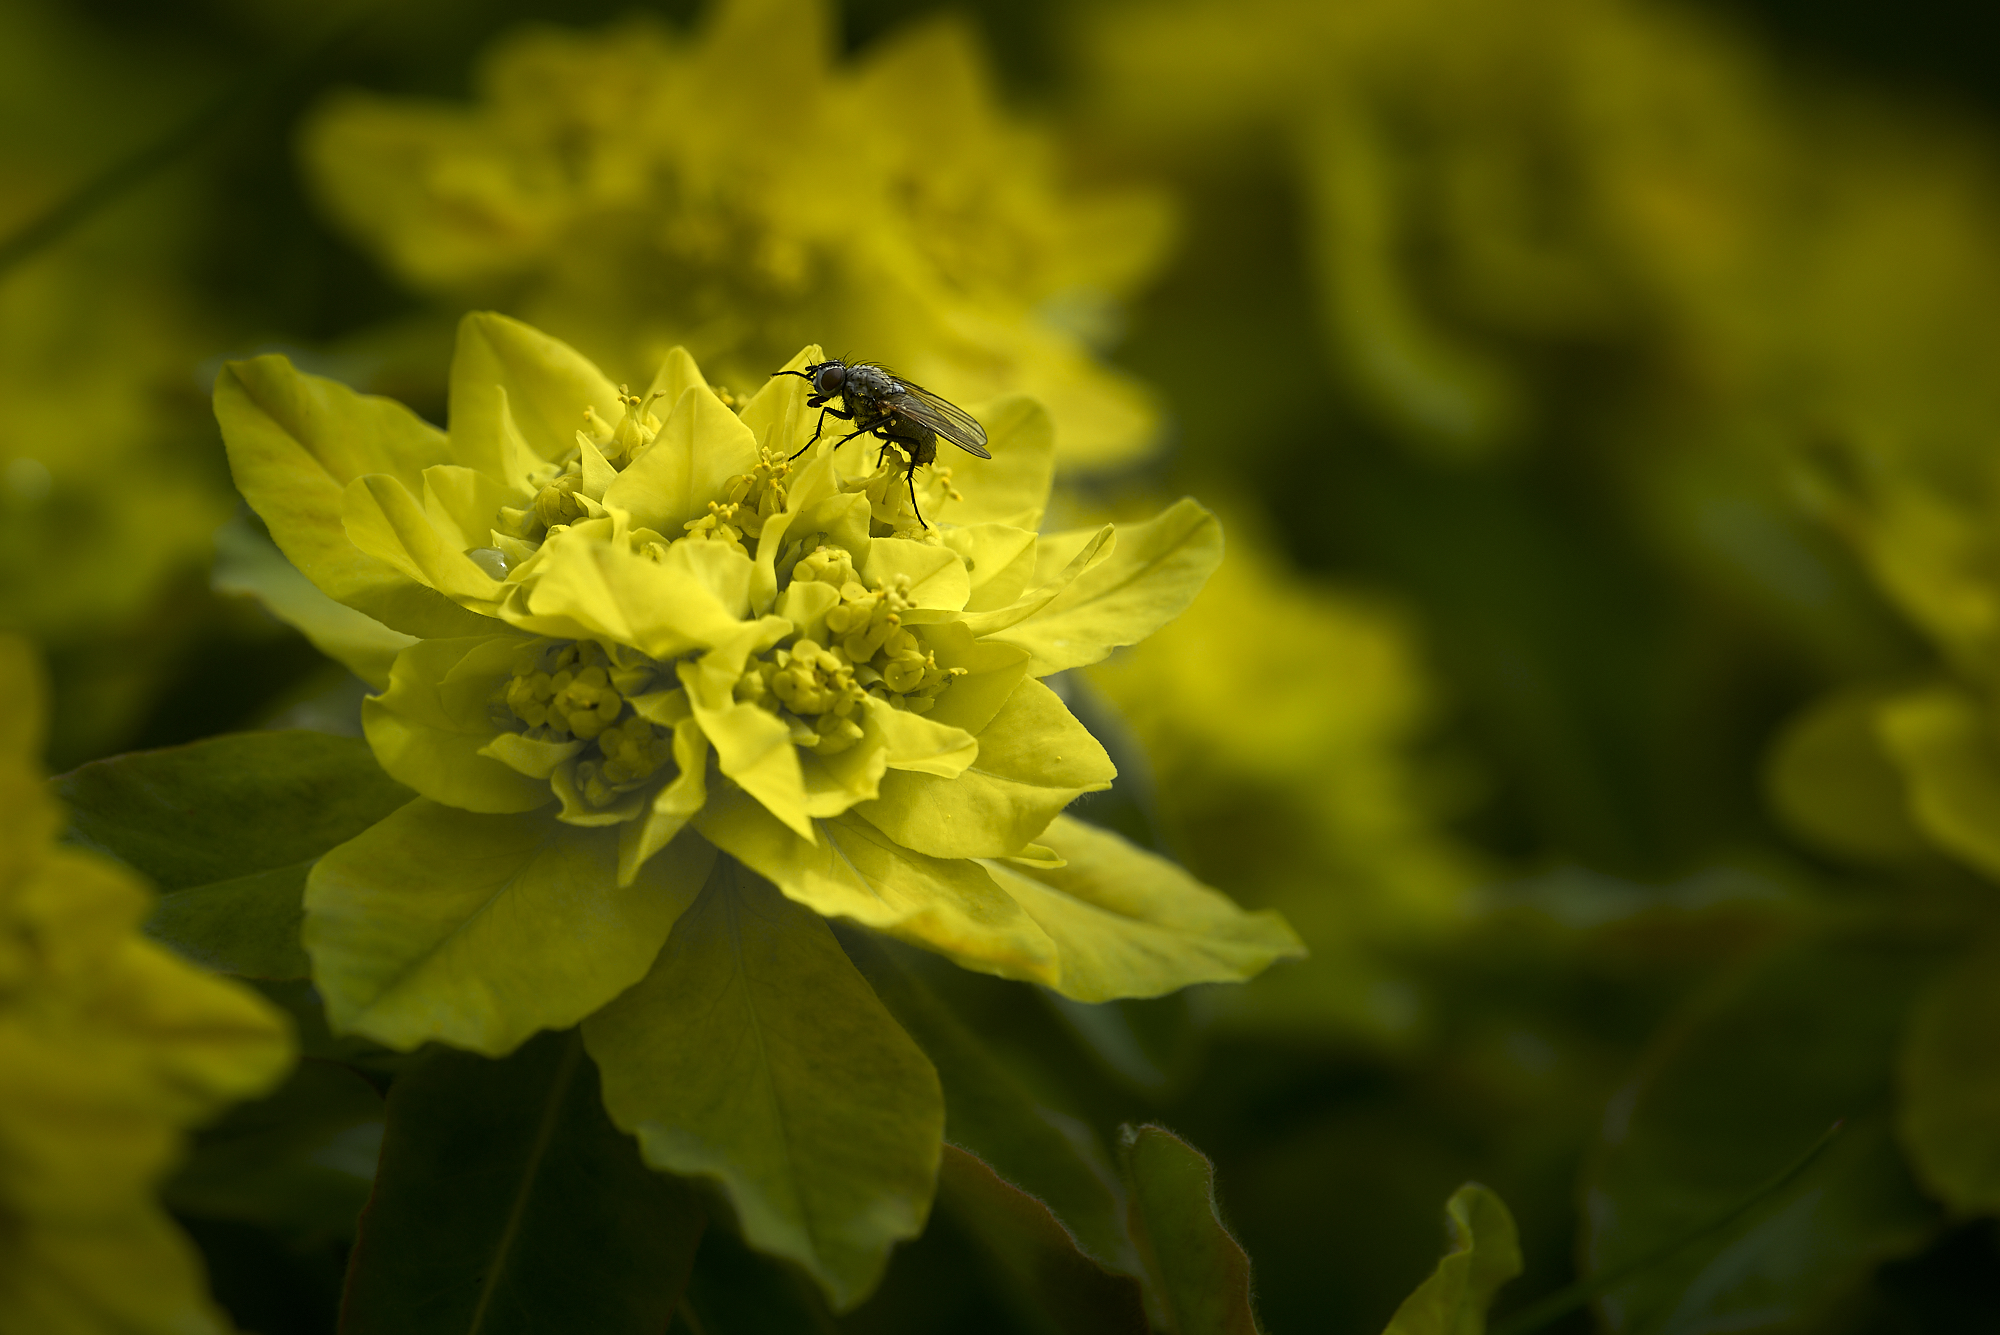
[639, 628]
[742, 194]
[112, 1047]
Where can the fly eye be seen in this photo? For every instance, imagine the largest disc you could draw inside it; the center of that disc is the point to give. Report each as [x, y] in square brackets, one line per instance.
[829, 379]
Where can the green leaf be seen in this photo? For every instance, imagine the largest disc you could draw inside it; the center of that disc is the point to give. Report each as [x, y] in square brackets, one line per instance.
[507, 1202]
[249, 564]
[990, 1113]
[300, 1161]
[478, 930]
[1949, 1115]
[1152, 574]
[755, 1055]
[228, 828]
[1753, 1074]
[1040, 1257]
[1485, 1253]
[1200, 1275]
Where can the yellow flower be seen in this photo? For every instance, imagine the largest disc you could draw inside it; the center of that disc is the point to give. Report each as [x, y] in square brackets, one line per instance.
[738, 193]
[110, 1048]
[646, 656]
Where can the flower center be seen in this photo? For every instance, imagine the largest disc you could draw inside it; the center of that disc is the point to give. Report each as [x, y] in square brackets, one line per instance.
[563, 493]
[888, 493]
[613, 710]
[865, 629]
[579, 692]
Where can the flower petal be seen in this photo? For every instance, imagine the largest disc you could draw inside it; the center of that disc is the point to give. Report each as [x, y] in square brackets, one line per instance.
[431, 730]
[1128, 923]
[919, 742]
[1150, 577]
[992, 672]
[1013, 486]
[776, 414]
[891, 738]
[701, 445]
[548, 384]
[694, 599]
[738, 1059]
[678, 374]
[538, 759]
[463, 503]
[672, 807]
[855, 871]
[999, 559]
[755, 748]
[478, 930]
[936, 573]
[295, 442]
[1034, 759]
[383, 519]
[1090, 551]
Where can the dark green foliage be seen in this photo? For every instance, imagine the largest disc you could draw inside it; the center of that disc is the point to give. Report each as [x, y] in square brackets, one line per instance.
[992, 1116]
[299, 1162]
[1200, 1275]
[1041, 1259]
[506, 1201]
[228, 829]
[1750, 1078]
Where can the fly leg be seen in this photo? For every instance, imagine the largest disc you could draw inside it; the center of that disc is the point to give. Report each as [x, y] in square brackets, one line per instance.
[914, 455]
[824, 409]
[858, 431]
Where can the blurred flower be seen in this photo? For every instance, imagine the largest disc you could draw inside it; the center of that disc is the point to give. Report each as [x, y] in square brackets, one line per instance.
[1281, 719]
[101, 499]
[1611, 230]
[110, 1048]
[1482, 185]
[633, 190]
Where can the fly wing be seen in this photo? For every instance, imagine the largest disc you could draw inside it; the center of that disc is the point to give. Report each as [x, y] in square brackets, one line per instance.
[947, 419]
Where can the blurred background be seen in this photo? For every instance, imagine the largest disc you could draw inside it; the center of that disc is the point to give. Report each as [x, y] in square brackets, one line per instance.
[1603, 402]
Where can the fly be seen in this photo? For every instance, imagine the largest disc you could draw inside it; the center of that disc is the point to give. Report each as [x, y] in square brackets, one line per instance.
[881, 403]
